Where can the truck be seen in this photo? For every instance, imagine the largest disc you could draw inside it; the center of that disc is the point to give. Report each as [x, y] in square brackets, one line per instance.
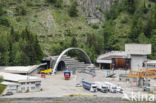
[89, 86]
[67, 75]
[119, 89]
[101, 87]
[111, 87]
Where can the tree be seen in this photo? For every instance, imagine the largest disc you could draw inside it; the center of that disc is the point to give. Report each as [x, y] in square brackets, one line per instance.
[17, 54]
[151, 22]
[130, 6]
[142, 39]
[1, 10]
[74, 42]
[73, 11]
[4, 21]
[52, 1]
[38, 51]
[114, 10]
[4, 50]
[59, 3]
[153, 41]
[136, 29]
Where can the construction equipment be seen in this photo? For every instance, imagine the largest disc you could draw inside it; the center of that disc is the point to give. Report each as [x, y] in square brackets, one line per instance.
[46, 71]
[143, 73]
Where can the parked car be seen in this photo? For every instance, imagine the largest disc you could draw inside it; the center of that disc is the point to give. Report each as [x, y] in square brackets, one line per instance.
[146, 88]
[101, 87]
[9, 93]
[113, 89]
[109, 85]
[119, 90]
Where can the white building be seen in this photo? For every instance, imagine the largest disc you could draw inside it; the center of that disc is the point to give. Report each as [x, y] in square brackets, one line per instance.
[20, 83]
[138, 54]
[105, 60]
[22, 69]
[150, 64]
[134, 56]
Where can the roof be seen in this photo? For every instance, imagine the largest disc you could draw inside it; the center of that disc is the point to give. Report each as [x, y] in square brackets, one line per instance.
[18, 77]
[8, 83]
[21, 69]
[150, 62]
[107, 57]
[138, 49]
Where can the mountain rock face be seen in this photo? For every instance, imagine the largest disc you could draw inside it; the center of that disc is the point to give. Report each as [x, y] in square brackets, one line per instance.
[94, 10]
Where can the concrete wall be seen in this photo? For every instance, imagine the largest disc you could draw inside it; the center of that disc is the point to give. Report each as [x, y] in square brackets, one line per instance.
[137, 61]
[138, 49]
[29, 86]
[12, 88]
[153, 85]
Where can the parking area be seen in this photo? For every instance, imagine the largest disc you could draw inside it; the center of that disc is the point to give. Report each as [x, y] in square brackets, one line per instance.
[57, 86]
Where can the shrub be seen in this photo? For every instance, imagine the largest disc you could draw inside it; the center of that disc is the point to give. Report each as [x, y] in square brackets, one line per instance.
[4, 21]
[18, 19]
[2, 87]
[59, 3]
[1, 10]
[29, 3]
[21, 10]
[73, 12]
[51, 1]
[95, 26]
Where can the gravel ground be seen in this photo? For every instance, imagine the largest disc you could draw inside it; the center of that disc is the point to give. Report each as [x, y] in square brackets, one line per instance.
[56, 86]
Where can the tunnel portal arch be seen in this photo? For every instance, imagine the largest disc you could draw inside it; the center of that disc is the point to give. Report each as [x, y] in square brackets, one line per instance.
[83, 53]
[61, 66]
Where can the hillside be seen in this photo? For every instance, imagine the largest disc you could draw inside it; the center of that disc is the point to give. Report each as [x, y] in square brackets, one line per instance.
[94, 26]
[130, 21]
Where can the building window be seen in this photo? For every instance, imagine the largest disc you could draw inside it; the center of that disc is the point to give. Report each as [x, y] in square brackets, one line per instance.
[38, 84]
[32, 82]
[32, 88]
[22, 83]
[23, 88]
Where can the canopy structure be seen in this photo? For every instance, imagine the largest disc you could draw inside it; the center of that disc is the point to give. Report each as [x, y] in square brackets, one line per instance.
[83, 53]
[18, 77]
[22, 69]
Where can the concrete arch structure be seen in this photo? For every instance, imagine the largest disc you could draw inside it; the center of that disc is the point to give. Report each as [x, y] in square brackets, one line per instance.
[84, 54]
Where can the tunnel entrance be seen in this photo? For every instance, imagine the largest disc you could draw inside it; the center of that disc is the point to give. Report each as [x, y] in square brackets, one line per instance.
[83, 53]
[61, 66]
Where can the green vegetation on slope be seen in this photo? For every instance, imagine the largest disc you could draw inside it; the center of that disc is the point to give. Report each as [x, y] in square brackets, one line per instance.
[58, 25]
[2, 87]
[17, 47]
[131, 21]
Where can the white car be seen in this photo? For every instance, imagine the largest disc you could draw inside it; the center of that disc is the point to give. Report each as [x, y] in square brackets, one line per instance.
[113, 89]
[101, 87]
[119, 90]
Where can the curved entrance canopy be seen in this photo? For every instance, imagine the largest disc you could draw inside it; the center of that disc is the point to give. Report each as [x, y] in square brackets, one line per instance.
[87, 59]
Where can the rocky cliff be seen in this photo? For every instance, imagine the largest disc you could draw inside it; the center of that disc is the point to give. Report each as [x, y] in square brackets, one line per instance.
[94, 9]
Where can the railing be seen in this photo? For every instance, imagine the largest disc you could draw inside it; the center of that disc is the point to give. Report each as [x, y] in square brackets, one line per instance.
[143, 73]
